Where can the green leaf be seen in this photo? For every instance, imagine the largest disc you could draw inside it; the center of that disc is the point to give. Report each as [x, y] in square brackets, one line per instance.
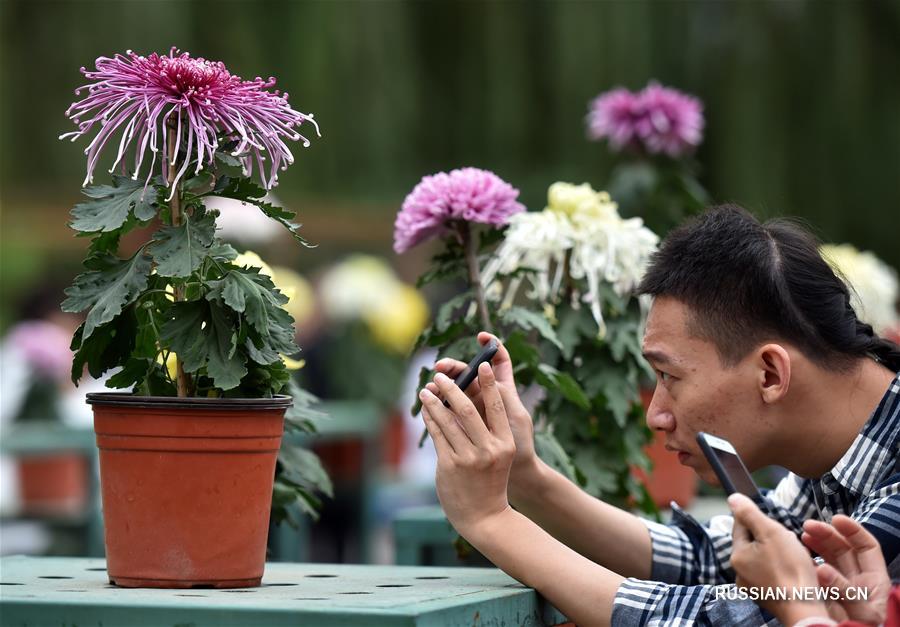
[203, 334]
[111, 284]
[200, 184]
[107, 347]
[243, 189]
[526, 319]
[112, 204]
[179, 250]
[252, 294]
[564, 383]
[551, 451]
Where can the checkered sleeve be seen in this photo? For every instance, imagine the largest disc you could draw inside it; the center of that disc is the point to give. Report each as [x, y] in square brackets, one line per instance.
[689, 553]
[652, 603]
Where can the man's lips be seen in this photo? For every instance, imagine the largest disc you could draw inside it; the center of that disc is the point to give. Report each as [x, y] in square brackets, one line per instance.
[683, 456]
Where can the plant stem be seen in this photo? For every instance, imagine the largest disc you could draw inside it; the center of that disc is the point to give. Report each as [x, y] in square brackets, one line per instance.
[182, 379]
[468, 242]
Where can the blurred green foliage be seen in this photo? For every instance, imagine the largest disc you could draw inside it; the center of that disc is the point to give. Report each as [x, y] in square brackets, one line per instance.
[802, 97]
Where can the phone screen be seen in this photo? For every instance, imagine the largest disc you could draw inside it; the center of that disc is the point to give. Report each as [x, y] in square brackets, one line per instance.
[739, 476]
[729, 468]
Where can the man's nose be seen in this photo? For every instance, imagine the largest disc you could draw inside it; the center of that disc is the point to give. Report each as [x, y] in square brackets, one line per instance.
[659, 418]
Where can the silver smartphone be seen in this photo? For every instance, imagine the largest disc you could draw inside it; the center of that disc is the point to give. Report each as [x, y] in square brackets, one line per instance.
[728, 466]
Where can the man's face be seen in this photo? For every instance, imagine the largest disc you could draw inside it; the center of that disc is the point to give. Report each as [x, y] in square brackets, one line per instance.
[696, 392]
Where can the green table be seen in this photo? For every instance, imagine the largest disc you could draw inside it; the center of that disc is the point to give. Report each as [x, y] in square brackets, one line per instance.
[75, 591]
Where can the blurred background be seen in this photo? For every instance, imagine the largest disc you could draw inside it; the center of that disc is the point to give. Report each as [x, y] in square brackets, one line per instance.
[801, 101]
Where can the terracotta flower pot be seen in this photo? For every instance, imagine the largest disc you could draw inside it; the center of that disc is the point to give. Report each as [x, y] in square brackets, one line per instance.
[187, 487]
[53, 483]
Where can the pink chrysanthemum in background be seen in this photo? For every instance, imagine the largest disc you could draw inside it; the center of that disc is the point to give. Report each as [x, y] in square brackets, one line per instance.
[43, 347]
[657, 119]
[468, 194]
[200, 99]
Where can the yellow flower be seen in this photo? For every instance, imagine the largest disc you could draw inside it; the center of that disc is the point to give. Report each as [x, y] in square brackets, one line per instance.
[580, 201]
[397, 323]
[250, 258]
[299, 293]
[169, 363]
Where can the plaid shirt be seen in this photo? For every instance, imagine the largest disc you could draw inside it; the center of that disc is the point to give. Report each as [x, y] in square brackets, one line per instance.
[692, 559]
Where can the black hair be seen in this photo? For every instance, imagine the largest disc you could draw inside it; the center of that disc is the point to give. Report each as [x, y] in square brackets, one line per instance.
[747, 282]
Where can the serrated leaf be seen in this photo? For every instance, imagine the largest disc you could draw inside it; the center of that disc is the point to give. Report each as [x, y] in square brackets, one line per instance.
[203, 335]
[526, 319]
[108, 347]
[245, 190]
[111, 204]
[565, 383]
[225, 366]
[254, 295]
[111, 284]
[551, 451]
[179, 250]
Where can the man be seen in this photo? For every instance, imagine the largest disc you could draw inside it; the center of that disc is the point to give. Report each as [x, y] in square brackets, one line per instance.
[754, 340]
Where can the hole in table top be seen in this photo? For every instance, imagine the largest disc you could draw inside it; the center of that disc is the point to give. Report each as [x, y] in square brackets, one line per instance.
[54, 577]
[202, 596]
[239, 591]
[432, 577]
[393, 585]
[354, 593]
[71, 590]
[310, 598]
[279, 584]
[202, 586]
[96, 569]
[320, 576]
[10, 583]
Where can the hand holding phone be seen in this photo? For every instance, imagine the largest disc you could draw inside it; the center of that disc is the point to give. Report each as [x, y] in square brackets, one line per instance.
[465, 378]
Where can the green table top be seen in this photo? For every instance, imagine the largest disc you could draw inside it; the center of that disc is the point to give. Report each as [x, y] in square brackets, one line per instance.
[75, 591]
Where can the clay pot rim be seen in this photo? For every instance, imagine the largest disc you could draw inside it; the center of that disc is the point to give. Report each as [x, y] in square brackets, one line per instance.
[126, 399]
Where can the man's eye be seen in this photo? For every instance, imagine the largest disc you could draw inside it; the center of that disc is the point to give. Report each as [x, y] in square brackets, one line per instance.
[663, 376]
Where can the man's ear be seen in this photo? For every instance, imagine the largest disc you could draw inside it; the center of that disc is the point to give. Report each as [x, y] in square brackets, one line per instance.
[774, 365]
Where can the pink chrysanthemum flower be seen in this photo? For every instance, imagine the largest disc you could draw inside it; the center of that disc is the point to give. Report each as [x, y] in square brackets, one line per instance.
[657, 119]
[198, 100]
[43, 347]
[468, 194]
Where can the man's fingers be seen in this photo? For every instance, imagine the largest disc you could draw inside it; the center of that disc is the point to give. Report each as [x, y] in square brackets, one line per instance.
[750, 517]
[463, 408]
[864, 545]
[445, 421]
[495, 412]
[830, 544]
[441, 445]
[740, 537]
[452, 368]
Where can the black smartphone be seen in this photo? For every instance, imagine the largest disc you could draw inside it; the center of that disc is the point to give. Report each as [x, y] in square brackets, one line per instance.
[464, 379]
[728, 466]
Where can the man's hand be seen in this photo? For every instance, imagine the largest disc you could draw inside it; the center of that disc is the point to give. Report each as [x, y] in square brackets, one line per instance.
[766, 555]
[474, 454]
[854, 560]
[520, 422]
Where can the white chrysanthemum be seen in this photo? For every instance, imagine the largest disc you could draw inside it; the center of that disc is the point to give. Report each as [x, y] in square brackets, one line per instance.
[874, 285]
[356, 286]
[602, 247]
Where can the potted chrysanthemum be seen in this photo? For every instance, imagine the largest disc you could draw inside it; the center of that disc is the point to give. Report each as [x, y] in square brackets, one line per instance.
[186, 461]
